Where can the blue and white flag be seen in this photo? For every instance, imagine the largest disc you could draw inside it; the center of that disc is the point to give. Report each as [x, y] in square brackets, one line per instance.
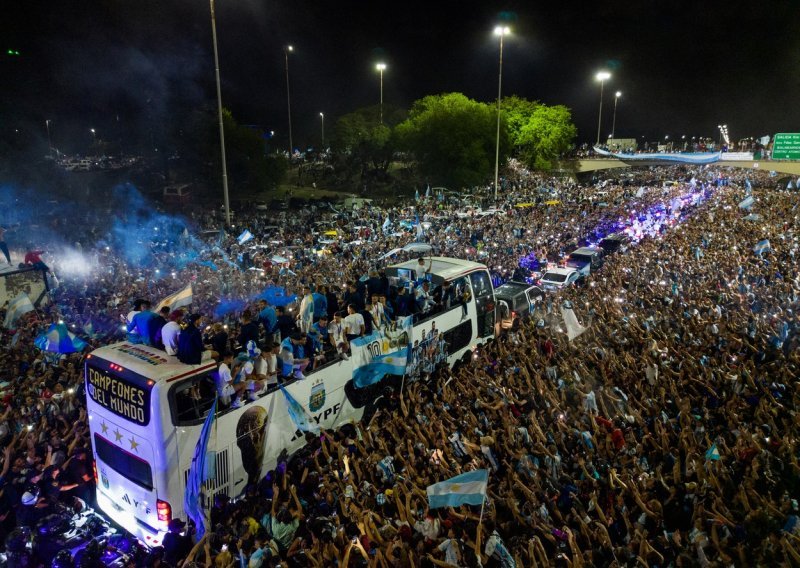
[747, 202]
[428, 192]
[198, 474]
[244, 237]
[465, 489]
[298, 414]
[58, 339]
[179, 299]
[748, 186]
[762, 246]
[368, 367]
[420, 230]
[20, 305]
[712, 454]
[416, 195]
[387, 224]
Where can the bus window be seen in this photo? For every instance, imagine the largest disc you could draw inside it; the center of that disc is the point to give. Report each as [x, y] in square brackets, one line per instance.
[129, 466]
[481, 284]
[458, 337]
[192, 399]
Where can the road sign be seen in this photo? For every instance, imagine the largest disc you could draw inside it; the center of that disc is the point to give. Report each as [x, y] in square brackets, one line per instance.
[786, 147]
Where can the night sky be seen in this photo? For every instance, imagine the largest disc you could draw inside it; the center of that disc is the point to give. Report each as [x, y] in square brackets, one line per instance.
[118, 66]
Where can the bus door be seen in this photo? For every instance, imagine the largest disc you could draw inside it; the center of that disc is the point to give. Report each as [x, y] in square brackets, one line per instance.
[483, 294]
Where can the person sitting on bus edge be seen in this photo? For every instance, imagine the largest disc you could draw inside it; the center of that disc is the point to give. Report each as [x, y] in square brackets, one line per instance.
[445, 295]
[423, 298]
[292, 356]
[190, 342]
[171, 331]
[321, 334]
[353, 323]
[266, 365]
[254, 384]
[141, 324]
[132, 333]
[156, 325]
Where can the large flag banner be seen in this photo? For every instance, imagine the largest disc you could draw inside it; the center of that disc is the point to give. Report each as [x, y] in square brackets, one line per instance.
[465, 489]
[197, 475]
[20, 305]
[383, 352]
[298, 414]
[177, 300]
[244, 237]
[574, 329]
[747, 202]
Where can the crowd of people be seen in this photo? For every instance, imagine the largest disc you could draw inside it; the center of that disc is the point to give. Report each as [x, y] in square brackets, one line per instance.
[664, 435]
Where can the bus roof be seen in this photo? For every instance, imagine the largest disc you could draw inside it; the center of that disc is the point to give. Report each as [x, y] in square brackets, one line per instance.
[147, 361]
[444, 267]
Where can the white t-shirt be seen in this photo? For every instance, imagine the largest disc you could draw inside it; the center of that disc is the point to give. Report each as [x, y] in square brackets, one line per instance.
[353, 324]
[224, 379]
[169, 337]
[268, 367]
[336, 330]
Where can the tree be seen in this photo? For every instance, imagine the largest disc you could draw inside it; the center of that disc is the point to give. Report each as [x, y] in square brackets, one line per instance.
[366, 144]
[540, 133]
[250, 168]
[453, 139]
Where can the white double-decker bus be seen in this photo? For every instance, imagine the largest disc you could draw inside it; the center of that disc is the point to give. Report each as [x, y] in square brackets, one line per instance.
[146, 409]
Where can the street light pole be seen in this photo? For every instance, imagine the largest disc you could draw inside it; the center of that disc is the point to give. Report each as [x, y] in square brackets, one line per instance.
[286, 51]
[322, 121]
[499, 31]
[614, 121]
[381, 67]
[226, 200]
[601, 76]
[49, 140]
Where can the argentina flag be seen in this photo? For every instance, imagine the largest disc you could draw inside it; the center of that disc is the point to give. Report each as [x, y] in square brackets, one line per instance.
[298, 414]
[465, 489]
[198, 475]
[20, 305]
[762, 247]
[244, 237]
[393, 363]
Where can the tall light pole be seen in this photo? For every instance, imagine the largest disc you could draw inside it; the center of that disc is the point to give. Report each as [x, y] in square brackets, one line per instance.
[49, 140]
[602, 76]
[286, 52]
[226, 200]
[617, 95]
[322, 124]
[501, 31]
[381, 67]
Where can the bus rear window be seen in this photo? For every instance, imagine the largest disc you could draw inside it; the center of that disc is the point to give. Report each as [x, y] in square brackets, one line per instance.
[129, 466]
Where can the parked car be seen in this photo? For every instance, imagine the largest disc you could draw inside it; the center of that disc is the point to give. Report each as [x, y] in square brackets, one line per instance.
[558, 278]
[615, 242]
[585, 260]
[515, 300]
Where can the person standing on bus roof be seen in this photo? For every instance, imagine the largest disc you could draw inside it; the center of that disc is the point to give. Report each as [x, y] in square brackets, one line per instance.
[306, 316]
[190, 341]
[353, 323]
[267, 318]
[137, 307]
[249, 330]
